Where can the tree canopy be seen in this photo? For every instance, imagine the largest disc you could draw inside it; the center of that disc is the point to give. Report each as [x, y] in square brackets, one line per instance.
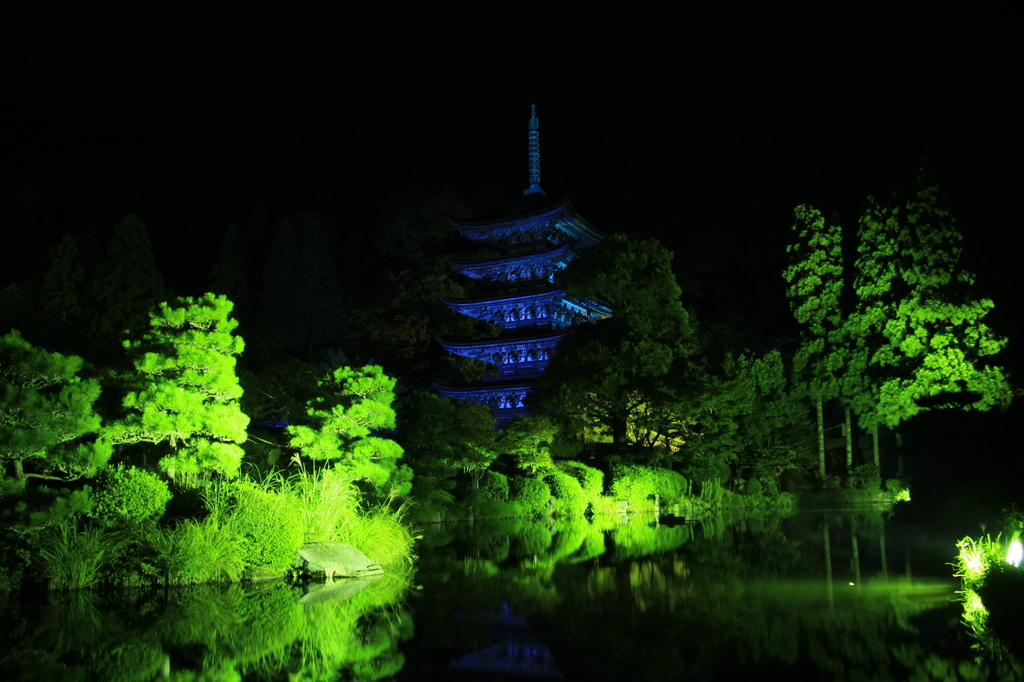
[186, 392]
[919, 328]
[604, 373]
[46, 413]
[346, 423]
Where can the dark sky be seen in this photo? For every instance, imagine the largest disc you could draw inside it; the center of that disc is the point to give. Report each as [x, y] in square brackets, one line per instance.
[702, 129]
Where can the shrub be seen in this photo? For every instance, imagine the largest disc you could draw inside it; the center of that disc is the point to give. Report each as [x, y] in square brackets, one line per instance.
[269, 525]
[754, 487]
[866, 477]
[531, 495]
[495, 485]
[638, 485]
[591, 480]
[129, 495]
[570, 500]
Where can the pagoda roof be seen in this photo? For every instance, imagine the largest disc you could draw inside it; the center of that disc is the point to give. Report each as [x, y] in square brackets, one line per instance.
[483, 390]
[545, 293]
[462, 265]
[561, 215]
[533, 339]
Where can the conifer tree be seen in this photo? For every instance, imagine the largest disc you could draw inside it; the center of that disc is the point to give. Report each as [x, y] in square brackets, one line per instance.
[607, 373]
[46, 413]
[187, 393]
[127, 284]
[355, 407]
[815, 279]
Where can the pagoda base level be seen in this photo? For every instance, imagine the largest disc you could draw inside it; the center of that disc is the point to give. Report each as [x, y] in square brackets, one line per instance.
[506, 402]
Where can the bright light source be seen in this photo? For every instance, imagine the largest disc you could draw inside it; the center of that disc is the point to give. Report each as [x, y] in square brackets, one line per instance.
[1015, 554]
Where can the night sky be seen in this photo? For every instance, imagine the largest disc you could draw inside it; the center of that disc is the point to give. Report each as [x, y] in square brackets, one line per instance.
[702, 130]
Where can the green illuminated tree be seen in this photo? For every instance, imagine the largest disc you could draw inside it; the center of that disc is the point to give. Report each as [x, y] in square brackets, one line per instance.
[815, 278]
[186, 393]
[922, 336]
[46, 413]
[529, 441]
[607, 373]
[447, 436]
[356, 405]
[747, 417]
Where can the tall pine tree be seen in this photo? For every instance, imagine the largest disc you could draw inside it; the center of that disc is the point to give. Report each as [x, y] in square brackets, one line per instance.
[187, 393]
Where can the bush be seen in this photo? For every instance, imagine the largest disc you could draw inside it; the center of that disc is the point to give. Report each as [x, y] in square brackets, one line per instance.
[866, 477]
[495, 485]
[638, 485]
[570, 500]
[531, 495]
[129, 495]
[269, 524]
[591, 480]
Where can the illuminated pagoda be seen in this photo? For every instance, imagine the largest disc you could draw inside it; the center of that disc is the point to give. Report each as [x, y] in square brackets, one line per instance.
[535, 241]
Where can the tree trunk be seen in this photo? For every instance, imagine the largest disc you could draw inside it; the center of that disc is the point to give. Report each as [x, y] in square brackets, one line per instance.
[821, 436]
[849, 442]
[874, 446]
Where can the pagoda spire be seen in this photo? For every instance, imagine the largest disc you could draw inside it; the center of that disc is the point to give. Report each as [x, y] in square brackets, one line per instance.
[533, 136]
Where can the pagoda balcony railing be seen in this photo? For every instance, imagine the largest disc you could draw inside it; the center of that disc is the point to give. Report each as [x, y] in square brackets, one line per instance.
[524, 371]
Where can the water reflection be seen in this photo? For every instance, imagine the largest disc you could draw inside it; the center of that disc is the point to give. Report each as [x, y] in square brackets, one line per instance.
[212, 632]
[808, 597]
[814, 596]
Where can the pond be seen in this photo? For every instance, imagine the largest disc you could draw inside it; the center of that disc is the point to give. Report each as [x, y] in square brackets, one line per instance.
[817, 596]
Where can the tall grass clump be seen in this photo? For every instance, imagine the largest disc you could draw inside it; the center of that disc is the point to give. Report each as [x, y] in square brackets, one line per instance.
[380, 534]
[328, 502]
[195, 552]
[74, 559]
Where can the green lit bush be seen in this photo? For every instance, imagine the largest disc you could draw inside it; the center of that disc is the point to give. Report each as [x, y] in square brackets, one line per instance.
[269, 525]
[532, 496]
[591, 480]
[495, 486]
[129, 495]
[866, 477]
[638, 485]
[569, 498]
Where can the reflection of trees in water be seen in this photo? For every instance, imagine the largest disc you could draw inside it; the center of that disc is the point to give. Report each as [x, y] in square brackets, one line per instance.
[709, 601]
[209, 632]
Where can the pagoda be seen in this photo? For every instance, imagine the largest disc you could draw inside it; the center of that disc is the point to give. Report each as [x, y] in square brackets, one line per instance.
[535, 240]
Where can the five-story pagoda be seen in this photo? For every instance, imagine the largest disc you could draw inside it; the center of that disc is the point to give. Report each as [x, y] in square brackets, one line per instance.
[535, 240]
